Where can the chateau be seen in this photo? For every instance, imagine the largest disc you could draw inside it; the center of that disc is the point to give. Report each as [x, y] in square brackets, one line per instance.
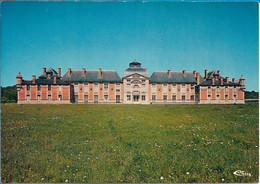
[136, 87]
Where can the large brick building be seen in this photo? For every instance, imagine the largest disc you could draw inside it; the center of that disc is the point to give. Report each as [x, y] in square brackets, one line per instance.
[136, 87]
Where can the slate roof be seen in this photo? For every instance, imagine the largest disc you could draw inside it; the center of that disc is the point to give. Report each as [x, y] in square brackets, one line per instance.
[132, 70]
[92, 76]
[213, 74]
[50, 71]
[44, 82]
[174, 77]
[218, 83]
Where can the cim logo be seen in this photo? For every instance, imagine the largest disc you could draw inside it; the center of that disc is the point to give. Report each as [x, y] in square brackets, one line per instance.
[241, 173]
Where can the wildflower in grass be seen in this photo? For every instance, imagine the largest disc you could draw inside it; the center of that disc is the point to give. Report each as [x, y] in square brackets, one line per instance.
[42, 179]
[66, 181]
[161, 178]
[223, 179]
[187, 173]
[68, 166]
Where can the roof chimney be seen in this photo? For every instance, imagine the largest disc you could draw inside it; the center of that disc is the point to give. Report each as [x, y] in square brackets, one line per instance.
[184, 73]
[69, 71]
[194, 73]
[221, 81]
[168, 73]
[213, 81]
[19, 78]
[233, 79]
[55, 80]
[99, 72]
[83, 71]
[33, 79]
[198, 78]
[227, 80]
[59, 72]
[44, 70]
[206, 74]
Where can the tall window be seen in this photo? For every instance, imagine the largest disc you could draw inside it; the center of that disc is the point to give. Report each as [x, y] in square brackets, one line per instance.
[173, 85]
[173, 97]
[128, 97]
[164, 85]
[192, 97]
[106, 85]
[117, 90]
[106, 97]
[28, 87]
[95, 97]
[164, 97]
[118, 85]
[183, 97]
[86, 97]
[49, 87]
[143, 97]
[154, 85]
[153, 97]
[183, 85]
[39, 87]
[96, 84]
[60, 97]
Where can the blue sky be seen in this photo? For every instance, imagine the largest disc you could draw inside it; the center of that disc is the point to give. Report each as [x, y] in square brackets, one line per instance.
[160, 35]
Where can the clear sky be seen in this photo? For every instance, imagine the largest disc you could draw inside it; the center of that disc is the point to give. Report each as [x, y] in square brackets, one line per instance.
[160, 35]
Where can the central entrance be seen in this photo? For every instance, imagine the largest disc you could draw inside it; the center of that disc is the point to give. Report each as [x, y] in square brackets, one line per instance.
[136, 98]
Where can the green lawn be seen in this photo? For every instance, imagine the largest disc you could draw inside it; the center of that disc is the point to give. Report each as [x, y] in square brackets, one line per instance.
[129, 143]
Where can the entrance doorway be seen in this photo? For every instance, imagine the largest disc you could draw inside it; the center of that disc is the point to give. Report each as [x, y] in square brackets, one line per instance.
[117, 98]
[136, 98]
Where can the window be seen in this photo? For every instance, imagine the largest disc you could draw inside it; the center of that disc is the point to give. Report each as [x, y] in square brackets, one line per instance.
[143, 84]
[85, 97]
[28, 97]
[117, 90]
[217, 95]
[128, 80]
[143, 80]
[112, 89]
[38, 97]
[164, 97]
[183, 97]
[128, 97]
[81, 88]
[95, 97]
[128, 84]
[106, 97]
[90, 89]
[136, 86]
[28, 87]
[39, 87]
[174, 85]
[49, 87]
[154, 85]
[143, 97]
[226, 96]
[60, 97]
[49, 97]
[209, 96]
[95, 84]
[173, 97]
[159, 89]
[235, 96]
[100, 89]
[86, 84]
[192, 97]
[183, 85]
[105, 85]
[118, 85]
[153, 97]
[164, 85]
[169, 89]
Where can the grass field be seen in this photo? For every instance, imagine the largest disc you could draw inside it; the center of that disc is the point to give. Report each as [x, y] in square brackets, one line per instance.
[129, 143]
